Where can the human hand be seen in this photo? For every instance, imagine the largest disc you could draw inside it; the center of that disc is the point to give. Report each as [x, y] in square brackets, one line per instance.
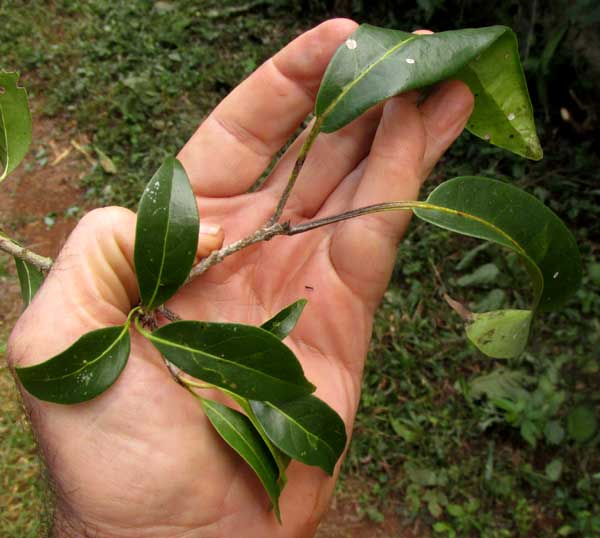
[141, 459]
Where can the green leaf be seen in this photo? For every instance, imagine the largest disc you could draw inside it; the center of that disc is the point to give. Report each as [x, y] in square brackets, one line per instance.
[377, 63]
[484, 274]
[284, 322]
[554, 432]
[305, 429]
[498, 212]
[242, 359]
[166, 237]
[30, 279]
[81, 372]
[281, 460]
[239, 433]
[581, 423]
[501, 383]
[553, 470]
[15, 123]
[501, 333]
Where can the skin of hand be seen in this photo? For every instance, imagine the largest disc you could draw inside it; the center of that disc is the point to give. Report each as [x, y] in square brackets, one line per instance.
[141, 460]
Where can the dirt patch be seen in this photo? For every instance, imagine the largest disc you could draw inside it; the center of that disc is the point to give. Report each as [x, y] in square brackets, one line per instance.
[44, 186]
[345, 519]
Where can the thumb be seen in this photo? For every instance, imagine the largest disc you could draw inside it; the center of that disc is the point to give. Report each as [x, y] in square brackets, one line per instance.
[91, 285]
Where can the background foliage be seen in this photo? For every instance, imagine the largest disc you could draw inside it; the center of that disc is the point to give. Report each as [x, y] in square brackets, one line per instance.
[498, 457]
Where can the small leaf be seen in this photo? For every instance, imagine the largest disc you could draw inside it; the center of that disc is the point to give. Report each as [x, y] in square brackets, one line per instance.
[554, 432]
[30, 279]
[485, 274]
[305, 429]
[553, 470]
[15, 123]
[284, 321]
[581, 423]
[245, 360]
[166, 237]
[501, 383]
[239, 433]
[81, 372]
[501, 333]
[377, 63]
[105, 161]
[498, 212]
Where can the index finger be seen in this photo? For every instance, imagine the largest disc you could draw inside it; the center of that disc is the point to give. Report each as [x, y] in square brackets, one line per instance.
[234, 145]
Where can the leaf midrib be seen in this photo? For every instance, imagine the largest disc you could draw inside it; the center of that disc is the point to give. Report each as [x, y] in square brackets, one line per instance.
[240, 435]
[363, 74]
[301, 427]
[164, 249]
[87, 364]
[219, 359]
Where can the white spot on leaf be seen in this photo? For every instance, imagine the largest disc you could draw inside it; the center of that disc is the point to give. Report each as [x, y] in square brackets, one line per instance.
[410, 60]
[351, 44]
[487, 136]
[555, 275]
[511, 116]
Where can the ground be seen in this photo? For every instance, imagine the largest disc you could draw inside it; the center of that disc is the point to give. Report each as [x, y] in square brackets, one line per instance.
[428, 458]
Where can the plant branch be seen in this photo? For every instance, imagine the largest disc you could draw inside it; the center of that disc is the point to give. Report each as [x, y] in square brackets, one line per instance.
[263, 234]
[285, 228]
[14, 249]
[310, 139]
[375, 208]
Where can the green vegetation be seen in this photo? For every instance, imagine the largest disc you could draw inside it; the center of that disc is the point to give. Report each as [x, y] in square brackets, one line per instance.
[438, 437]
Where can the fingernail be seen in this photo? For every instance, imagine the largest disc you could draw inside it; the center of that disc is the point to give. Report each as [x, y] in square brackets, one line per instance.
[209, 229]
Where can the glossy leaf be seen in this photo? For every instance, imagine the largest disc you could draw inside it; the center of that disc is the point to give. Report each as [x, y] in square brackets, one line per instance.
[306, 429]
[284, 322]
[15, 123]
[81, 372]
[498, 212]
[501, 333]
[377, 63]
[30, 279]
[281, 460]
[166, 236]
[238, 432]
[242, 359]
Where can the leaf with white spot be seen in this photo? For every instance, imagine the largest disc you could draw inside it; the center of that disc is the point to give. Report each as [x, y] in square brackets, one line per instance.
[81, 372]
[377, 63]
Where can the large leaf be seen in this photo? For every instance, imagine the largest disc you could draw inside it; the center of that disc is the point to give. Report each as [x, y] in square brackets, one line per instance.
[239, 433]
[282, 323]
[498, 212]
[81, 372]
[377, 63]
[242, 359]
[166, 236]
[306, 429]
[15, 123]
[30, 279]
[501, 333]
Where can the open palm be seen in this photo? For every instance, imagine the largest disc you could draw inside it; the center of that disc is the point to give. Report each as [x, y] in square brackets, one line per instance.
[142, 459]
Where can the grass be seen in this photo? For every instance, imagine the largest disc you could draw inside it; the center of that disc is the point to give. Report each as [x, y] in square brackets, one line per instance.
[429, 444]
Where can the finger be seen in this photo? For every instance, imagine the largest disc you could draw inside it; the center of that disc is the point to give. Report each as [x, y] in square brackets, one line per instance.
[210, 238]
[92, 284]
[332, 157]
[445, 114]
[235, 143]
[395, 171]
